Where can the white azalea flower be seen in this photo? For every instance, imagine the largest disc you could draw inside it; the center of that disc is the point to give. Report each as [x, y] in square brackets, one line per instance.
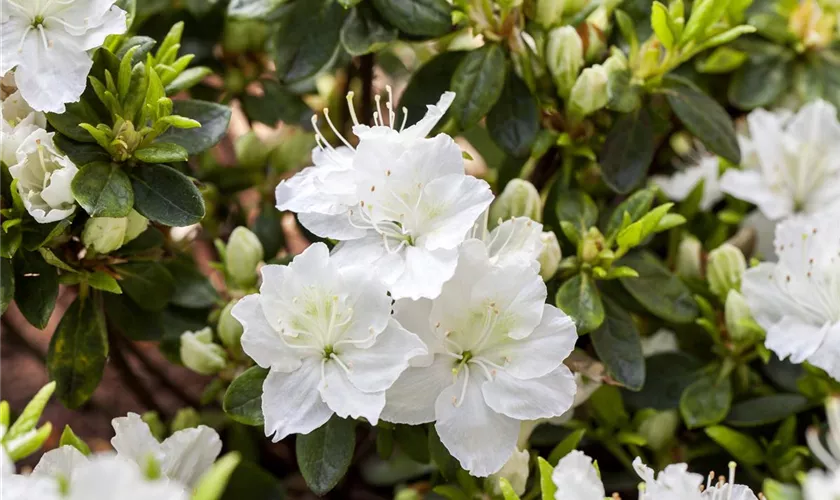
[797, 299]
[662, 341]
[679, 185]
[577, 479]
[516, 471]
[44, 176]
[819, 484]
[516, 239]
[327, 335]
[676, 483]
[47, 43]
[791, 163]
[399, 203]
[21, 487]
[496, 354]
[17, 121]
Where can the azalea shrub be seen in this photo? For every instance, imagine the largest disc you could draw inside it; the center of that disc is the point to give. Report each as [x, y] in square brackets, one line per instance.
[424, 249]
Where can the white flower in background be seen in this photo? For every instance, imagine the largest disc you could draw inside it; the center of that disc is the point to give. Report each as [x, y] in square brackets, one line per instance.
[679, 185]
[820, 484]
[46, 42]
[17, 122]
[791, 163]
[577, 479]
[327, 336]
[797, 299]
[661, 341]
[399, 203]
[496, 354]
[676, 483]
[44, 176]
[516, 471]
[183, 457]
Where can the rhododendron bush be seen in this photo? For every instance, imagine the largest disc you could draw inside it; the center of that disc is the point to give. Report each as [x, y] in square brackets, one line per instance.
[423, 249]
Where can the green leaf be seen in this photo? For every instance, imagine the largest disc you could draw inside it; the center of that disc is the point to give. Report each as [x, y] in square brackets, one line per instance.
[78, 351]
[703, 117]
[39, 235]
[706, 401]
[760, 82]
[31, 414]
[565, 446]
[628, 151]
[130, 320]
[428, 83]
[149, 284]
[243, 399]
[547, 486]
[774, 490]
[619, 346]
[580, 299]
[188, 79]
[267, 228]
[659, 21]
[277, 103]
[162, 153]
[213, 483]
[252, 9]
[766, 409]
[634, 234]
[36, 288]
[80, 152]
[103, 190]
[164, 195]
[365, 31]
[300, 51]
[104, 281]
[251, 481]
[324, 455]
[744, 448]
[413, 442]
[674, 371]
[659, 290]
[478, 84]
[578, 208]
[636, 206]
[69, 438]
[214, 119]
[7, 284]
[193, 289]
[28, 444]
[68, 122]
[507, 490]
[422, 18]
[514, 121]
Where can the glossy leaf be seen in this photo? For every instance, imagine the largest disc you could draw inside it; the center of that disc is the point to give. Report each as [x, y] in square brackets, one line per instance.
[162, 153]
[658, 290]
[36, 288]
[478, 84]
[706, 401]
[514, 121]
[149, 284]
[619, 346]
[103, 190]
[580, 299]
[743, 447]
[628, 150]
[423, 18]
[365, 31]
[324, 455]
[214, 119]
[243, 399]
[162, 194]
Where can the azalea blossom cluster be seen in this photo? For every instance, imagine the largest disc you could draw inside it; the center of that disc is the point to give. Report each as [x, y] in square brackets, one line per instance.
[141, 468]
[420, 313]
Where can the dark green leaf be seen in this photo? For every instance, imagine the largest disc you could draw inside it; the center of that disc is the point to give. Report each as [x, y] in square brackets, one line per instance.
[164, 195]
[103, 190]
[149, 284]
[324, 455]
[706, 401]
[659, 290]
[301, 50]
[628, 150]
[214, 119]
[7, 284]
[162, 153]
[413, 441]
[243, 399]
[766, 409]
[78, 351]
[423, 18]
[68, 122]
[193, 289]
[744, 448]
[703, 117]
[277, 103]
[104, 281]
[478, 83]
[36, 288]
[252, 482]
[428, 83]
[38, 235]
[580, 299]
[81, 153]
[568, 444]
[365, 31]
[514, 121]
[759, 83]
[267, 228]
[578, 208]
[130, 320]
[619, 346]
[669, 374]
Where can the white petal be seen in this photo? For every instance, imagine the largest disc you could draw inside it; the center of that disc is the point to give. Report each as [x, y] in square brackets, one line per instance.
[411, 400]
[795, 338]
[291, 402]
[739, 492]
[345, 399]
[106, 477]
[189, 453]
[751, 186]
[428, 122]
[134, 440]
[815, 123]
[827, 355]
[449, 208]
[260, 340]
[542, 397]
[57, 192]
[539, 353]
[414, 316]
[424, 274]
[577, 479]
[59, 463]
[370, 302]
[518, 293]
[12, 31]
[336, 227]
[19, 487]
[516, 239]
[376, 368]
[481, 439]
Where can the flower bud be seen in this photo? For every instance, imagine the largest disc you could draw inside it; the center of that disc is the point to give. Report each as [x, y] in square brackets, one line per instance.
[515, 471]
[659, 427]
[200, 354]
[725, 266]
[156, 425]
[251, 152]
[550, 255]
[688, 262]
[230, 330]
[548, 13]
[244, 253]
[739, 320]
[593, 243]
[519, 199]
[106, 234]
[589, 93]
[595, 34]
[564, 58]
[185, 418]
